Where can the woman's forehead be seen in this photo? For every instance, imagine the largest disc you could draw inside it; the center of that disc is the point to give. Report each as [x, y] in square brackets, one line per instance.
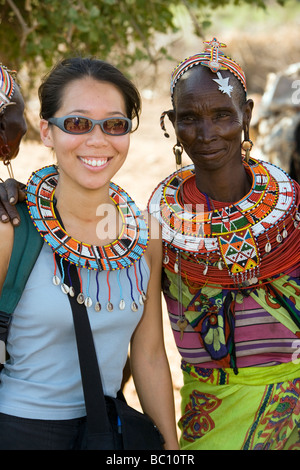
[200, 84]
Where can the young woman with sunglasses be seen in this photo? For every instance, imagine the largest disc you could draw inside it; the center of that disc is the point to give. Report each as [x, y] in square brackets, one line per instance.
[87, 107]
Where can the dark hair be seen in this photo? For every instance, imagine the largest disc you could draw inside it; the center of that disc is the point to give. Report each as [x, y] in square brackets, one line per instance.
[71, 69]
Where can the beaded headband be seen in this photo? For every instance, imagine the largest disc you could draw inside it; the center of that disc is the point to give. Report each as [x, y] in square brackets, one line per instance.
[7, 85]
[213, 58]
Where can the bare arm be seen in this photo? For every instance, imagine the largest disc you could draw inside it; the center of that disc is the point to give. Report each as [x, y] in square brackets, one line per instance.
[150, 368]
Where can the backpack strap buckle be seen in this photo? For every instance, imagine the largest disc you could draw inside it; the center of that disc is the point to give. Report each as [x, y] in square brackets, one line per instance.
[5, 319]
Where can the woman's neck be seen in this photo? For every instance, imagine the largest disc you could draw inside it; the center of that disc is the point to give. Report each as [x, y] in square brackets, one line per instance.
[224, 185]
[88, 215]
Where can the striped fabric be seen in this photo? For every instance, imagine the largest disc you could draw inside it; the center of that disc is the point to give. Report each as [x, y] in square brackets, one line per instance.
[260, 339]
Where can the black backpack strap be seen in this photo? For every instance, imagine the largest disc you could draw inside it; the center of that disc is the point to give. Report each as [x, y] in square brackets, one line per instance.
[26, 248]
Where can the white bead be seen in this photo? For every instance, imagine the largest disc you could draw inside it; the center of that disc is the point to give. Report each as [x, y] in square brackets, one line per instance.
[64, 288]
[80, 298]
[56, 280]
[72, 292]
[268, 247]
[88, 302]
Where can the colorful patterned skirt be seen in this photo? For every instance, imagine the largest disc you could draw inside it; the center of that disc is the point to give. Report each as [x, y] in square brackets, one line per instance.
[258, 409]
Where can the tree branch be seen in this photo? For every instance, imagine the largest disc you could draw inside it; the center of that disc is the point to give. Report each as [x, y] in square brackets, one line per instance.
[197, 27]
[25, 29]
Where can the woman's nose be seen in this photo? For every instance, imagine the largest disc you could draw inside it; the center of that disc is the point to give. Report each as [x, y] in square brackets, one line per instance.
[96, 135]
[205, 130]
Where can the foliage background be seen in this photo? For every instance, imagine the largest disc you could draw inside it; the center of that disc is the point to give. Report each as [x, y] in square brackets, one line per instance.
[146, 39]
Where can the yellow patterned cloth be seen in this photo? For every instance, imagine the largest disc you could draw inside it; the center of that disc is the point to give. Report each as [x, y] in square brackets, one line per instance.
[258, 409]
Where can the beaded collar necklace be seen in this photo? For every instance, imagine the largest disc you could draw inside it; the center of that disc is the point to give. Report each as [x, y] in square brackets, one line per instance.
[245, 237]
[122, 253]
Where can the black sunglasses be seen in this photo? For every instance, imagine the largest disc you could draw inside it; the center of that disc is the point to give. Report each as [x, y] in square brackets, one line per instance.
[83, 125]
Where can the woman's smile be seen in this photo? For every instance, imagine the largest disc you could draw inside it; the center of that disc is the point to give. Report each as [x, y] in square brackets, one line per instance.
[94, 162]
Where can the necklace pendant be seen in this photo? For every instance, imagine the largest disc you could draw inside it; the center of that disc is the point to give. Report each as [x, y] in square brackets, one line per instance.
[205, 270]
[80, 298]
[182, 323]
[88, 302]
[64, 288]
[97, 306]
[279, 238]
[109, 307]
[220, 265]
[71, 291]
[268, 247]
[134, 307]
[166, 259]
[122, 304]
[56, 280]
[285, 233]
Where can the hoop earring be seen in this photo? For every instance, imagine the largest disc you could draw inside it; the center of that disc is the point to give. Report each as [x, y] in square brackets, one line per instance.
[5, 153]
[178, 150]
[9, 167]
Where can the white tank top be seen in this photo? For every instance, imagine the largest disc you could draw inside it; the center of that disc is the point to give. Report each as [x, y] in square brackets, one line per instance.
[42, 377]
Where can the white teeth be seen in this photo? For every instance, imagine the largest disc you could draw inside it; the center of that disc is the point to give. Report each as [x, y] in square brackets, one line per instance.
[98, 162]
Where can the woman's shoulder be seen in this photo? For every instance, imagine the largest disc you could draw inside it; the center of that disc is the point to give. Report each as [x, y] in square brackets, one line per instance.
[6, 245]
[6, 233]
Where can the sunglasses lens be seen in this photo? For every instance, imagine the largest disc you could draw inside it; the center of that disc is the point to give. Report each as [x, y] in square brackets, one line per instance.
[116, 126]
[77, 125]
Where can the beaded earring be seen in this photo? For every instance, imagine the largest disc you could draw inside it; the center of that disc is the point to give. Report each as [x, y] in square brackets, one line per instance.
[162, 123]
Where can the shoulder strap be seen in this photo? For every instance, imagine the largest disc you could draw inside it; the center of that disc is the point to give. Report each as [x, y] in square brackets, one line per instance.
[97, 419]
[26, 248]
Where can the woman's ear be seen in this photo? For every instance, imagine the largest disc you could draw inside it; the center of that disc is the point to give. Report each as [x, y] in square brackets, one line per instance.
[46, 133]
[171, 116]
[248, 108]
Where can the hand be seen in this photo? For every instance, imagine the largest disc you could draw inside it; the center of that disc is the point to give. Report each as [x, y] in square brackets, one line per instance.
[11, 192]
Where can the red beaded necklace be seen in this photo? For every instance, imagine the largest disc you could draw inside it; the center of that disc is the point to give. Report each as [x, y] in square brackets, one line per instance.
[277, 246]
